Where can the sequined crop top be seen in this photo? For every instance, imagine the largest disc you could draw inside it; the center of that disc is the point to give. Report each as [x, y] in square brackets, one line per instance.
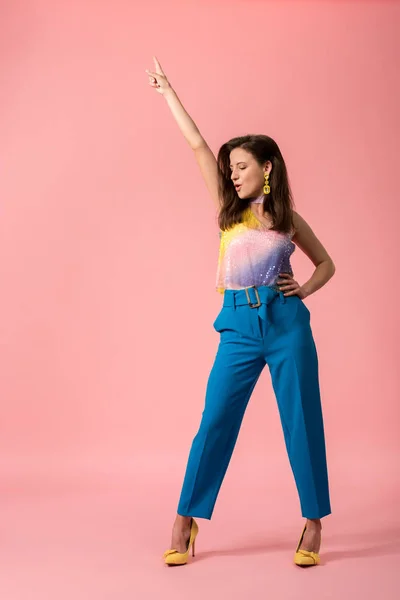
[251, 254]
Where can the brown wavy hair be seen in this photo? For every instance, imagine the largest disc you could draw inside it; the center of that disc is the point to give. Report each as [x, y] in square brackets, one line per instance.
[279, 202]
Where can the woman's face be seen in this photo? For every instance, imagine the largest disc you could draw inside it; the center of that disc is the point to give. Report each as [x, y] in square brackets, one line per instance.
[247, 173]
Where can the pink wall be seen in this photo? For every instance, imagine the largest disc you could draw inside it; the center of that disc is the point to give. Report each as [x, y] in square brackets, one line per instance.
[109, 238]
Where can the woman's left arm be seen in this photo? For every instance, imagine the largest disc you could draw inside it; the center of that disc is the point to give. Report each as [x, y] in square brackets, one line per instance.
[308, 242]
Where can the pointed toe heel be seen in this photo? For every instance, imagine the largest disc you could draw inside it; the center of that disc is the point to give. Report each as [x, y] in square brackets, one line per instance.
[305, 558]
[173, 558]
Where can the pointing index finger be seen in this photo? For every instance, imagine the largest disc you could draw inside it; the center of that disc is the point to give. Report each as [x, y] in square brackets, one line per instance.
[158, 66]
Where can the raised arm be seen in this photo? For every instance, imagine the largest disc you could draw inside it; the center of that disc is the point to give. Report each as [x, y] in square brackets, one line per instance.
[203, 154]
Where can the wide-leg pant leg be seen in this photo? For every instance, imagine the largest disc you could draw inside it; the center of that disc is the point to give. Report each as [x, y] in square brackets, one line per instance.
[293, 363]
[236, 369]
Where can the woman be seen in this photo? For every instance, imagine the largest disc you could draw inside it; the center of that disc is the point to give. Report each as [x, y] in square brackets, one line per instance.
[263, 320]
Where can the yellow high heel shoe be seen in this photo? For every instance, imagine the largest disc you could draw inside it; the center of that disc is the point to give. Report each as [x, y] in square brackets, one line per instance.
[305, 558]
[173, 557]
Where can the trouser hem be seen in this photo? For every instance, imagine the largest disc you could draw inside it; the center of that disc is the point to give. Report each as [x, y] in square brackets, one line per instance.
[318, 516]
[198, 515]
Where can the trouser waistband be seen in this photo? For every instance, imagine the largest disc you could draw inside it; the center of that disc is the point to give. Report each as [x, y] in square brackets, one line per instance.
[252, 295]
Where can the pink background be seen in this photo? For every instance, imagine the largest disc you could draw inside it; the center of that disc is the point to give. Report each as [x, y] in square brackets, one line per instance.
[109, 244]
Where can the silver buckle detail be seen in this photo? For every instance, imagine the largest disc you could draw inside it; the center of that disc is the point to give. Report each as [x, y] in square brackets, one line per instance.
[253, 305]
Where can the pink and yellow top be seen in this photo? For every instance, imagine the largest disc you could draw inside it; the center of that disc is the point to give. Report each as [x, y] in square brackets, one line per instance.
[251, 254]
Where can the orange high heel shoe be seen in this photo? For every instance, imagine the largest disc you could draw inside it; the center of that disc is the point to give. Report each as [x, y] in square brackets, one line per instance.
[305, 558]
[173, 557]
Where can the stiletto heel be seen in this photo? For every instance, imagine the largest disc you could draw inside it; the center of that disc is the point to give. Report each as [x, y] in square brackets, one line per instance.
[173, 557]
[305, 558]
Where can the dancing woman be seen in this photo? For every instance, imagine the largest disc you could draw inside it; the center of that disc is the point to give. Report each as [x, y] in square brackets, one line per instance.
[263, 320]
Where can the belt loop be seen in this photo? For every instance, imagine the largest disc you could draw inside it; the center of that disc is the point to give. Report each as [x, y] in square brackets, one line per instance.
[282, 297]
[234, 300]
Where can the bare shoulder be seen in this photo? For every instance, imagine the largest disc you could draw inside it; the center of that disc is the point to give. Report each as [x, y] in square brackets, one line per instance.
[298, 221]
[307, 241]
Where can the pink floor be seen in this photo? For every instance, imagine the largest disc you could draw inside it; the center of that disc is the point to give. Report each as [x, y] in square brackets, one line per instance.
[102, 537]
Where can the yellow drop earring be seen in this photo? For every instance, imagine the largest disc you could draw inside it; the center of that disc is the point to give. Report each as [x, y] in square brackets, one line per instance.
[266, 189]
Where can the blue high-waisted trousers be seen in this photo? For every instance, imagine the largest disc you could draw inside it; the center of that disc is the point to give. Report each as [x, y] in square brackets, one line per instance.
[276, 333]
